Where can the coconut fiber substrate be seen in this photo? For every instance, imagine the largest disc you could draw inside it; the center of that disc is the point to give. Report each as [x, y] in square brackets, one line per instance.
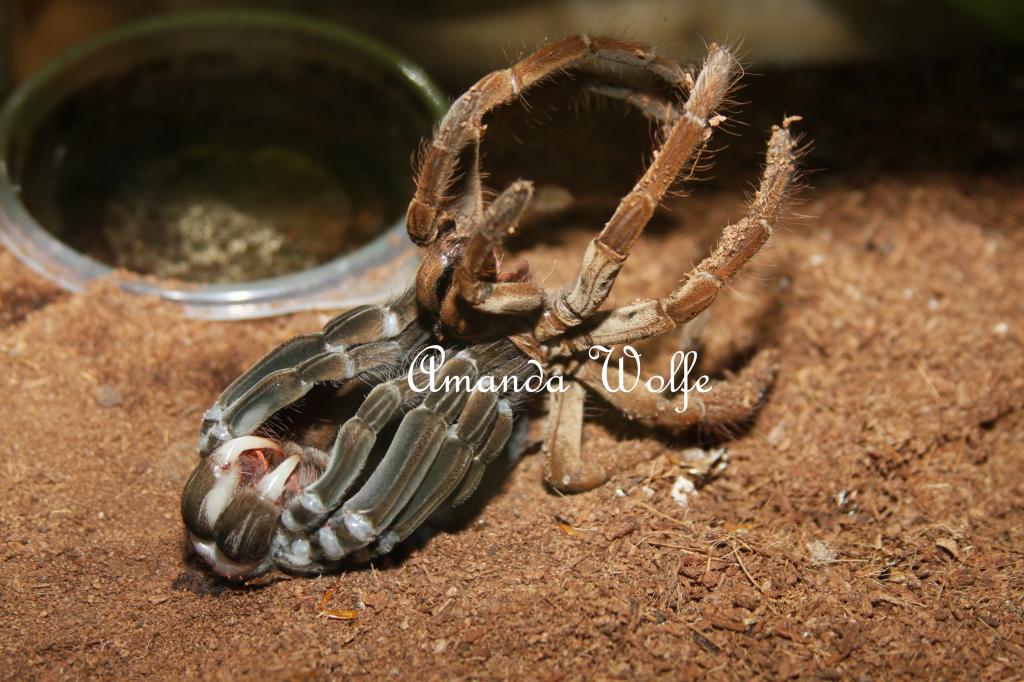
[869, 524]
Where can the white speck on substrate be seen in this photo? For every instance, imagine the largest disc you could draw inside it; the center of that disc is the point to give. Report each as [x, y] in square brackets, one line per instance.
[681, 491]
[1001, 328]
[820, 552]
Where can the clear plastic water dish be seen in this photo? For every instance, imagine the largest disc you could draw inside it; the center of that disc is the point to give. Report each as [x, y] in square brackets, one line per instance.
[243, 164]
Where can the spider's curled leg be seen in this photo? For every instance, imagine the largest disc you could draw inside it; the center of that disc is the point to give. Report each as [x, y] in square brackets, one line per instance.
[738, 244]
[482, 430]
[488, 451]
[364, 339]
[347, 456]
[462, 125]
[608, 251]
[413, 449]
[459, 465]
[475, 275]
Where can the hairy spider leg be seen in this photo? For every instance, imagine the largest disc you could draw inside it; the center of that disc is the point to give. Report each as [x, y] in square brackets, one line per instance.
[608, 251]
[737, 245]
[462, 125]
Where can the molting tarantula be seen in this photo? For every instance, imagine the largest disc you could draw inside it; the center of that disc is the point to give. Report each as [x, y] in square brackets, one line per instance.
[259, 499]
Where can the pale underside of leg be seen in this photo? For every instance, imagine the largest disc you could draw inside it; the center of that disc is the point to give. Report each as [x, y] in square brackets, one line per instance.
[433, 457]
[364, 339]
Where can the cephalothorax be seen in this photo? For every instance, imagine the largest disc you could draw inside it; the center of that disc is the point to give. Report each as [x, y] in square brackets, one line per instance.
[366, 475]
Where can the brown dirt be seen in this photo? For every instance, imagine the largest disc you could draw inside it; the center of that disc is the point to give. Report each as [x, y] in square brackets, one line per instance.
[869, 525]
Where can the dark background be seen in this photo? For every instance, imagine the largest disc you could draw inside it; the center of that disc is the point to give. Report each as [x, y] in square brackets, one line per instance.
[884, 86]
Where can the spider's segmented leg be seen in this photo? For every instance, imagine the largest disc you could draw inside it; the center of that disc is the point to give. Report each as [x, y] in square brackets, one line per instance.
[433, 457]
[488, 235]
[363, 339]
[347, 456]
[479, 260]
[480, 435]
[565, 468]
[728, 402]
[463, 122]
[488, 451]
[609, 249]
[462, 446]
[369, 512]
[458, 467]
[738, 244]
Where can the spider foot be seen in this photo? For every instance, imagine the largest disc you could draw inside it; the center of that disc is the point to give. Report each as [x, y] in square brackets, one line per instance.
[565, 469]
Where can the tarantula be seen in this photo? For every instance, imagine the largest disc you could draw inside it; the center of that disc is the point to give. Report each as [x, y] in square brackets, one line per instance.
[259, 500]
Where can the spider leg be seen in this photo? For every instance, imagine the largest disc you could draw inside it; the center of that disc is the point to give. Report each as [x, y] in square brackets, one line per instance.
[488, 234]
[471, 436]
[348, 455]
[420, 435]
[728, 402]
[473, 278]
[658, 109]
[608, 251]
[565, 468]
[477, 425]
[458, 467]
[363, 339]
[463, 122]
[738, 244]
[486, 453]
[477, 438]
